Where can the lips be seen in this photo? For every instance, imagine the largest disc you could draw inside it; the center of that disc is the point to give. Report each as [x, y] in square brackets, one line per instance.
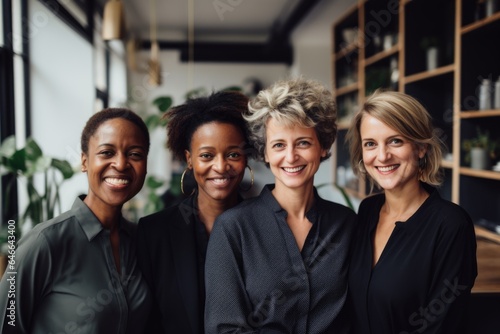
[293, 169]
[221, 181]
[386, 169]
[115, 181]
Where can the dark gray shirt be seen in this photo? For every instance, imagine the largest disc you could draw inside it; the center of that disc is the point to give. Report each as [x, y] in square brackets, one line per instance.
[257, 279]
[65, 280]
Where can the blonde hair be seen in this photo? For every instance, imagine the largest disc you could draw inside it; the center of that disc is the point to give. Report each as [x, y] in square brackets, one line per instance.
[296, 101]
[407, 116]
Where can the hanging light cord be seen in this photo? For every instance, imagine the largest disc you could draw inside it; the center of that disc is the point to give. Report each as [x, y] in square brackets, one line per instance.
[152, 29]
[190, 43]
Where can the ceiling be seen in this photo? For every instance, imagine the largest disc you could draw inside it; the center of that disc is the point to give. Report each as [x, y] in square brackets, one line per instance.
[223, 30]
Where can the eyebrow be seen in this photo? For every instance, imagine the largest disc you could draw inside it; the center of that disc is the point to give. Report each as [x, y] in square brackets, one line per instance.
[300, 138]
[213, 148]
[388, 138]
[130, 147]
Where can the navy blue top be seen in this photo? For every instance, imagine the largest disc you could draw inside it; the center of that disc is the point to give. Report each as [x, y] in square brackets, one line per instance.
[257, 279]
[422, 280]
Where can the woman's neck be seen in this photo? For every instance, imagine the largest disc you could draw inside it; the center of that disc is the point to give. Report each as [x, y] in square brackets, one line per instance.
[295, 201]
[404, 203]
[109, 217]
[209, 209]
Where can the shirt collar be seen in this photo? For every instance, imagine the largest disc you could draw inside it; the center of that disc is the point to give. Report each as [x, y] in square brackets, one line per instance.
[89, 223]
[272, 203]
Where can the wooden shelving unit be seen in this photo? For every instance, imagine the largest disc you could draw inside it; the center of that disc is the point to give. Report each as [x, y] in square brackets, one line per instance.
[468, 53]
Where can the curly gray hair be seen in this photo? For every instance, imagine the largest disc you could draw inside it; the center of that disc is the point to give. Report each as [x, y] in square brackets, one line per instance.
[295, 101]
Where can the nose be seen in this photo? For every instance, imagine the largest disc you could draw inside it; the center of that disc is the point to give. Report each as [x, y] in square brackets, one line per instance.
[220, 164]
[290, 154]
[383, 153]
[120, 162]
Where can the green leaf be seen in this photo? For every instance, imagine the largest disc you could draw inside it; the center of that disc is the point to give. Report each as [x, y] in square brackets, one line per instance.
[64, 167]
[163, 103]
[33, 151]
[17, 162]
[40, 165]
[154, 183]
[152, 121]
[232, 88]
[8, 146]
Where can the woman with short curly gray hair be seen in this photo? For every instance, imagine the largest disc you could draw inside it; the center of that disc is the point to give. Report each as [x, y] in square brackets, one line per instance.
[277, 263]
[299, 101]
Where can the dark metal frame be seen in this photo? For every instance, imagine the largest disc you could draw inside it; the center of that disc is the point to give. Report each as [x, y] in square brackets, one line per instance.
[7, 101]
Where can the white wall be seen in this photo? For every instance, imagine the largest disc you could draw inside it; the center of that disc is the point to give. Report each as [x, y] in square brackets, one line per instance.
[312, 58]
[62, 91]
[179, 78]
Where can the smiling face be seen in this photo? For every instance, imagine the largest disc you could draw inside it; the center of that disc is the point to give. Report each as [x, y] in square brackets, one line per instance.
[293, 154]
[115, 163]
[389, 158]
[218, 161]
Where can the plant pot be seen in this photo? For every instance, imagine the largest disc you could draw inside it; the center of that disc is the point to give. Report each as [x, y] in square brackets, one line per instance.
[432, 58]
[479, 158]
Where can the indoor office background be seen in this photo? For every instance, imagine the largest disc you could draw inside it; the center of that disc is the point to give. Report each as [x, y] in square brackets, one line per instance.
[57, 70]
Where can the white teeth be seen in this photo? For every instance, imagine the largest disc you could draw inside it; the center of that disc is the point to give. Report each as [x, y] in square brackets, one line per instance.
[117, 181]
[220, 181]
[293, 170]
[387, 169]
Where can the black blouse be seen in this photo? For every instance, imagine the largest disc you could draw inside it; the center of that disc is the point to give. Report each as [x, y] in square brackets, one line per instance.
[257, 279]
[422, 280]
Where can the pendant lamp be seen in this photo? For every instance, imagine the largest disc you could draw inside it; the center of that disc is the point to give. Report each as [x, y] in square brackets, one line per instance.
[113, 22]
[154, 62]
[154, 65]
[131, 49]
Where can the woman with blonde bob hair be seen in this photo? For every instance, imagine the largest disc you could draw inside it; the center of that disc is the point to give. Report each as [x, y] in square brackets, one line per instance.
[278, 263]
[413, 261]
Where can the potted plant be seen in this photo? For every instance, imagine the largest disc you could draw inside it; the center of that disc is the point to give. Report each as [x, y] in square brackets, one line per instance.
[430, 45]
[24, 164]
[480, 150]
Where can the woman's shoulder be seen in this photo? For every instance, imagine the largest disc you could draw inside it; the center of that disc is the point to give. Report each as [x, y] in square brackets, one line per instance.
[244, 209]
[371, 202]
[168, 215]
[337, 209]
[449, 214]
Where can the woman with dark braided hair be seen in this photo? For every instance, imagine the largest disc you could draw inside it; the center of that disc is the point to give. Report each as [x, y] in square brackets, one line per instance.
[209, 134]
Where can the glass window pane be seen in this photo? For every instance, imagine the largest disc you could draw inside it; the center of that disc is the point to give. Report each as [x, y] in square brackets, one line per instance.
[17, 33]
[99, 58]
[117, 80]
[19, 100]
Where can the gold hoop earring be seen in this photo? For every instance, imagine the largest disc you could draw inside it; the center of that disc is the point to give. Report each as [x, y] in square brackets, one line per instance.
[362, 170]
[251, 179]
[182, 182]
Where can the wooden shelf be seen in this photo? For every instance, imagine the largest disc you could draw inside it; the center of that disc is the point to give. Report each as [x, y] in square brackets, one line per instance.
[486, 234]
[346, 89]
[447, 164]
[429, 74]
[381, 55]
[488, 265]
[345, 51]
[486, 174]
[481, 23]
[480, 113]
